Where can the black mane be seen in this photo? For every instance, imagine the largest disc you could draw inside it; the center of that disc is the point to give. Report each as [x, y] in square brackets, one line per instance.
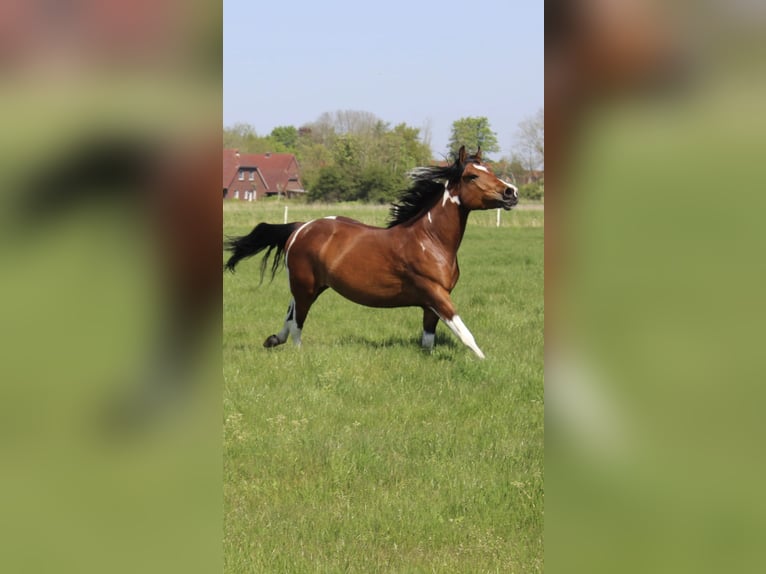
[427, 184]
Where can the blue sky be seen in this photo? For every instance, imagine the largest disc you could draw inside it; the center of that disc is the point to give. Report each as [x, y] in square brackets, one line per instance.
[286, 62]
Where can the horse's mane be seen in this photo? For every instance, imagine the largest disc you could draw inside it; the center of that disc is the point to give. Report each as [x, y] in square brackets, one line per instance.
[427, 184]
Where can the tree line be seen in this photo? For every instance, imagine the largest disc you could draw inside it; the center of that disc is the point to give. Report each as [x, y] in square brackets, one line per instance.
[351, 155]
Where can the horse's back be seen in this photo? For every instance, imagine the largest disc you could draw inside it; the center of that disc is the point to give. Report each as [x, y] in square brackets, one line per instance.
[336, 227]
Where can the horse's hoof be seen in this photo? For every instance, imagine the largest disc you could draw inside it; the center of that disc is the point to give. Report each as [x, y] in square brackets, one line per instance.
[271, 341]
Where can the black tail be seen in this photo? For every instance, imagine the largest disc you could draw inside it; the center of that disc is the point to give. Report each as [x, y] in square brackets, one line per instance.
[273, 236]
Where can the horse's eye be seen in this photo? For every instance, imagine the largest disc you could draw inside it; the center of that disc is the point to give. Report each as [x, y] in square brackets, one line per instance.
[471, 177]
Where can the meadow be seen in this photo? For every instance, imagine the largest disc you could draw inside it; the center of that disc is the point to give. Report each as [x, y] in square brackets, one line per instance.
[359, 452]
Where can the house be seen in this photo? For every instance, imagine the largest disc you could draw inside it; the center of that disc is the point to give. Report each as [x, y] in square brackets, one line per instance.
[281, 172]
[254, 176]
[241, 177]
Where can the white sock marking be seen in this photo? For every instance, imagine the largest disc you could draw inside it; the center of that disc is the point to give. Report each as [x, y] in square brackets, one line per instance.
[282, 335]
[295, 333]
[457, 326]
[427, 342]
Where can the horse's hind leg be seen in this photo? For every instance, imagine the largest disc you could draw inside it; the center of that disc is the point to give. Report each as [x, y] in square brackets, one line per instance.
[289, 327]
[303, 303]
[296, 316]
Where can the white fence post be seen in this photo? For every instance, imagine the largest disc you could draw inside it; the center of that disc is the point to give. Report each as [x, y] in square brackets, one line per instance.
[285, 214]
[498, 218]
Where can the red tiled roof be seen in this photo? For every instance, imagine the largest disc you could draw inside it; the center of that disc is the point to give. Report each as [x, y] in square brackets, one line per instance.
[230, 165]
[279, 171]
[233, 161]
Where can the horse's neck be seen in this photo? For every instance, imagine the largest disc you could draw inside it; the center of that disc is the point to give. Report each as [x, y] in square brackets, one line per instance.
[445, 223]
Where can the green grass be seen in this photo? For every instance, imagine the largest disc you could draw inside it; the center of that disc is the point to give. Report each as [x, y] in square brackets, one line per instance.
[361, 453]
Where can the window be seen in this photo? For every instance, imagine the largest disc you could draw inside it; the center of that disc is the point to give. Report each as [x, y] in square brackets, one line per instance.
[241, 175]
[252, 176]
[236, 194]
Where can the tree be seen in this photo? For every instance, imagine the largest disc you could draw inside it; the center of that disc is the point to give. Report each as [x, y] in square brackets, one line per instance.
[312, 157]
[511, 169]
[473, 133]
[287, 136]
[531, 141]
[240, 136]
[349, 121]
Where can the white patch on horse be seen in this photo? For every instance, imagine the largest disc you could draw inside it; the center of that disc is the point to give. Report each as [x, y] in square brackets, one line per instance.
[331, 217]
[457, 326]
[447, 197]
[294, 237]
[480, 168]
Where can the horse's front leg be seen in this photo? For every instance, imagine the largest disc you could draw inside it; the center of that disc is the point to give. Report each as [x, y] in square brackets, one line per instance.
[445, 310]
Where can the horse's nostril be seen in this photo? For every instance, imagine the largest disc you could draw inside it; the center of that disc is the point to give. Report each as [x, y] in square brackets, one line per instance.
[510, 192]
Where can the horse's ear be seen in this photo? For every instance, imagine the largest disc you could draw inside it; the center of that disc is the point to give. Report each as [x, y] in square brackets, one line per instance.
[461, 155]
[478, 154]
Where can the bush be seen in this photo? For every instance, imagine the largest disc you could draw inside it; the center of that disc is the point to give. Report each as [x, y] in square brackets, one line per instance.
[378, 185]
[532, 191]
[333, 184]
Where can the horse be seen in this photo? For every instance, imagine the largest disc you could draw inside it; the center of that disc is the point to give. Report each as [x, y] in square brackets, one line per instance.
[412, 262]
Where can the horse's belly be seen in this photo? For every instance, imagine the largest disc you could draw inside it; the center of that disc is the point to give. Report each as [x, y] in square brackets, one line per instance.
[372, 290]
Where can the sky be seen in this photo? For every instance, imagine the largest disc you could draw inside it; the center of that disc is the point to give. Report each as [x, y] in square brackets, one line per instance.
[424, 63]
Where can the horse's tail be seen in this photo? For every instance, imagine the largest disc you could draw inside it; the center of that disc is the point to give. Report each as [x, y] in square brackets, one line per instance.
[264, 235]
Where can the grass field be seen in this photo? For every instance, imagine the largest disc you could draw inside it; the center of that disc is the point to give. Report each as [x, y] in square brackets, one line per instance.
[361, 453]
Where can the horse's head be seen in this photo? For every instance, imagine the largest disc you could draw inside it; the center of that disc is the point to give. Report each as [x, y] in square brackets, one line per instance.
[479, 188]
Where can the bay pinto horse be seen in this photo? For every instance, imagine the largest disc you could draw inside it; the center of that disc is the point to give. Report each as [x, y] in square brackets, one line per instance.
[411, 263]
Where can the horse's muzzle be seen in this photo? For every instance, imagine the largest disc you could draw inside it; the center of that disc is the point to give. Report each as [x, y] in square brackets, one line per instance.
[510, 197]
